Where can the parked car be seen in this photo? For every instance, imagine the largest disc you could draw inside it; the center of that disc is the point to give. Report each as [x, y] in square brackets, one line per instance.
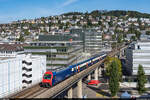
[94, 82]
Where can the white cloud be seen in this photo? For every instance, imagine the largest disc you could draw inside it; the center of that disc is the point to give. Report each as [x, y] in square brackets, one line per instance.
[68, 2]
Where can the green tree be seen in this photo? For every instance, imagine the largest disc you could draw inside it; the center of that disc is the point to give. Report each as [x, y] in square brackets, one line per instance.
[138, 34]
[147, 32]
[119, 39]
[26, 32]
[89, 23]
[74, 17]
[108, 62]
[99, 23]
[110, 23]
[113, 45]
[95, 13]
[114, 37]
[78, 23]
[114, 79]
[142, 27]
[21, 39]
[67, 24]
[59, 22]
[133, 38]
[141, 80]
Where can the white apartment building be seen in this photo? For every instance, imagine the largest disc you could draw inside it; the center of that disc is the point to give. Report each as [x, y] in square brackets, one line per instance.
[139, 54]
[22, 71]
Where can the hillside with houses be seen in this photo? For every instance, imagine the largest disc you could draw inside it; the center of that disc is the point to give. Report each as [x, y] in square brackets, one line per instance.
[115, 25]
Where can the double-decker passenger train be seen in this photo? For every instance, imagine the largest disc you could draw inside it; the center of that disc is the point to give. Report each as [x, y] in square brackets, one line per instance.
[52, 78]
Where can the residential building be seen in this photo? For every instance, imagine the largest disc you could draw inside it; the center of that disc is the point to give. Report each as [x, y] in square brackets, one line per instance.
[129, 36]
[11, 50]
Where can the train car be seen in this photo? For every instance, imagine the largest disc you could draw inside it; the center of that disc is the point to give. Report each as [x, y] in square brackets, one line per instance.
[79, 66]
[52, 78]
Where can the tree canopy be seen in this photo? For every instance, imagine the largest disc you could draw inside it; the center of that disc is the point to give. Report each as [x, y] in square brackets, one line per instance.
[21, 38]
[108, 62]
[147, 32]
[141, 80]
[113, 78]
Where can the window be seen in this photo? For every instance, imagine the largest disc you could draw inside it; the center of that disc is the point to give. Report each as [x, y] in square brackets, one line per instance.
[51, 56]
[62, 50]
[47, 76]
[139, 47]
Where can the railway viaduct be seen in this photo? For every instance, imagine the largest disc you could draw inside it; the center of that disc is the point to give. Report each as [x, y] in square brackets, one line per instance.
[66, 85]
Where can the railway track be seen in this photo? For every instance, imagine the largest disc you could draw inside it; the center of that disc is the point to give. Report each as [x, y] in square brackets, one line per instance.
[29, 92]
[36, 93]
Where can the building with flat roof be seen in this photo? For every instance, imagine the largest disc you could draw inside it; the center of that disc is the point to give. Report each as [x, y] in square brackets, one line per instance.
[93, 42]
[129, 37]
[92, 39]
[60, 37]
[11, 50]
[144, 37]
[139, 53]
[59, 54]
[19, 72]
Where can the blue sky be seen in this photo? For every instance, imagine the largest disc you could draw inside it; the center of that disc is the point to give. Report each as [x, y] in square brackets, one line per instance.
[11, 10]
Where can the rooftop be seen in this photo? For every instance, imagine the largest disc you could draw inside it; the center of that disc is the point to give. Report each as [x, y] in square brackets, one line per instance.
[55, 42]
[5, 58]
[11, 47]
[58, 38]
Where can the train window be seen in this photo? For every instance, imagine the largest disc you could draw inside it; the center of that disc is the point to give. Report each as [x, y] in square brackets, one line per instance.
[72, 69]
[47, 76]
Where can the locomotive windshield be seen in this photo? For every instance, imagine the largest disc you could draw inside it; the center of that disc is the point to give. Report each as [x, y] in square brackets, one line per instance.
[47, 76]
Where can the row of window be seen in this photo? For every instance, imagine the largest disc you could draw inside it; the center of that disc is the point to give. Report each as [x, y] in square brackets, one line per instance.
[6, 52]
[47, 44]
[51, 56]
[61, 50]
